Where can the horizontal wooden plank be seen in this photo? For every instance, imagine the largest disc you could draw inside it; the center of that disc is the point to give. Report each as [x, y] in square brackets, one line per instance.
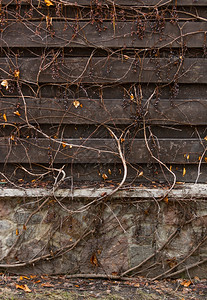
[140, 3]
[95, 131]
[107, 70]
[183, 112]
[30, 34]
[98, 150]
[120, 91]
[69, 13]
[91, 174]
[91, 111]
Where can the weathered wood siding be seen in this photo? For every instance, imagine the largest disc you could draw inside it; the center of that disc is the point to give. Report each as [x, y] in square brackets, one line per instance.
[124, 71]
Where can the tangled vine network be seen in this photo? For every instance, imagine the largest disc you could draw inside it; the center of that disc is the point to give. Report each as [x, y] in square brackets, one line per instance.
[98, 94]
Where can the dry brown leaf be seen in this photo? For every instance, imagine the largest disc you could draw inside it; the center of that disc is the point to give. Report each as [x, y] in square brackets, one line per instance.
[48, 3]
[166, 199]
[23, 287]
[172, 262]
[127, 282]
[17, 113]
[187, 156]
[16, 74]
[37, 281]
[140, 174]
[186, 283]
[114, 273]
[48, 21]
[94, 260]
[104, 176]
[47, 284]
[76, 103]
[5, 118]
[131, 97]
[5, 84]
[137, 285]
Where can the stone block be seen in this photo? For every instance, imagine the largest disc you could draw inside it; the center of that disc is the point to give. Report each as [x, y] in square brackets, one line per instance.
[124, 235]
[142, 234]
[139, 253]
[5, 208]
[28, 234]
[5, 226]
[114, 258]
[170, 216]
[21, 216]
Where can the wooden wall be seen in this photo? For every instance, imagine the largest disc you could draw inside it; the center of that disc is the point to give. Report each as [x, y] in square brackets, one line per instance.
[73, 73]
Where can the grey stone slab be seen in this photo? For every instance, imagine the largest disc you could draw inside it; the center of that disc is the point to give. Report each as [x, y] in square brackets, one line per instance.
[5, 226]
[21, 216]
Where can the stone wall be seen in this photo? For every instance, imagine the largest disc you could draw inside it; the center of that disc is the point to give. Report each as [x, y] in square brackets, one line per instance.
[106, 238]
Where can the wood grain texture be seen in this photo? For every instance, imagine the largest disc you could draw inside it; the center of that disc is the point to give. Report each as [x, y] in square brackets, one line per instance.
[139, 3]
[91, 111]
[90, 174]
[31, 34]
[107, 70]
[98, 151]
[82, 151]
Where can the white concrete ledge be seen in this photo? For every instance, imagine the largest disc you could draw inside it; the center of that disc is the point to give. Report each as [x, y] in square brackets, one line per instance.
[181, 191]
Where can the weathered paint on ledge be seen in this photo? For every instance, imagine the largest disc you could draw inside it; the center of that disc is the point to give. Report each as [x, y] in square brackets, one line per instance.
[180, 191]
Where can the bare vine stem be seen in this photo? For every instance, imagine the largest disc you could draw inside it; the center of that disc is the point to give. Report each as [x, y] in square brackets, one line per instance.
[169, 272]
[153, 255]
[147, 20]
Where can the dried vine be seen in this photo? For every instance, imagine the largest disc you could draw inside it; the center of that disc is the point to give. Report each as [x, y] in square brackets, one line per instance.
[62, 65]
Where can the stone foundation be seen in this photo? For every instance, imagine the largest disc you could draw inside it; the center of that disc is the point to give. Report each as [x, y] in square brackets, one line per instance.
[108, 237]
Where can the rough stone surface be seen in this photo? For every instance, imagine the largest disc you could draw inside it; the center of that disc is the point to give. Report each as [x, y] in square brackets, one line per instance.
[121, 234]
[22, 215]
[5, 226]
[5, 208]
